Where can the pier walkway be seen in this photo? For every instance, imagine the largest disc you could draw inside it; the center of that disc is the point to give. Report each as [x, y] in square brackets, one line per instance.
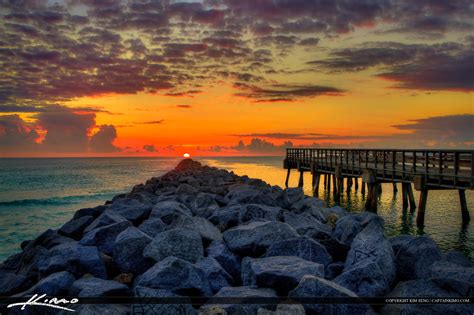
[426, 169]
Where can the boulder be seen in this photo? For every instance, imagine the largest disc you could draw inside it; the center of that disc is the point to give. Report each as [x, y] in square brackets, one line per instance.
[166, 308]
[369, 247]
[95, 287]
[11, 283]
[333, 270]
[458, 258]
[284, 309]
[226, 217]
[252, 239]
[349, 226]
[30, 260]
[170, 211]
[414, 258]
[103, 309]
[56, 284]
[423, 288]
[131, 209]
[301, 247]
[175, 275]
[95, 212]
[246, 194]
[74, 258]
[153, 226]
[253, 212]
[104, 237]
[186, 189]
[308, 226]
[336, 249]
[74, 228]
[244, 295]
[205, 204]
[399, 241]
[128, 251]
[181, 243]
[48, 239]
[228, 260]
[337, 212]
[309, 205]
[214, 273]
[313, 286]
[106, 218]
[450, 271]
[291, 196]
[206, 229]
[281, 273]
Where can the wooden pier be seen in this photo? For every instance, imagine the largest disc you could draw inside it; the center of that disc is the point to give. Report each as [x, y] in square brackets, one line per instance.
[425, 169]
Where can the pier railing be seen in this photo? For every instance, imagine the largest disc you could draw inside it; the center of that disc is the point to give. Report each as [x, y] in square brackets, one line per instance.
[449, 169]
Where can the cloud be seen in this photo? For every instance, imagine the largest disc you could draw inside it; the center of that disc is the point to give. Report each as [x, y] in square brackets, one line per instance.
[446, 66]
[102, 140]
[282, 92]
[183, 106]
[152, 122]
[16, 133]
[150, 148]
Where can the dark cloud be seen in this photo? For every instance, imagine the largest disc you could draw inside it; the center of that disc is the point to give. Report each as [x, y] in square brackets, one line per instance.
[17, 134]
[183, 106]
[151, 122]
[150, 148]
[102, 140]
[258, 145]
[447, 66]
[281, 92]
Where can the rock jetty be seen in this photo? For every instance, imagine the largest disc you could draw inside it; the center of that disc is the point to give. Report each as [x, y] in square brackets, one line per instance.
[203, 231]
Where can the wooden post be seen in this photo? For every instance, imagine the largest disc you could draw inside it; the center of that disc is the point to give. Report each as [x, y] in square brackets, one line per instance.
[349, 184]
[363, 188]
[411, 198]
[287, 178]
[420, 218]
[329, 182]
[379, 189]
[356, 183]
[325, 181]
[395, 189]
[316, 179]
[464, 211]
[369, 178]
[301, 180]
[405, 195]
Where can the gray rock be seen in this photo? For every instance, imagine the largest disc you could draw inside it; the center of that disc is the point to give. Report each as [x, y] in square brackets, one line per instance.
[337, 211]
[104, 237]
[182, 243]
[292, 196]
[74, 228]
[333, 270]
[175, 275]
[369, 246]
[187, 190]
[252, 212]
[309, 205]
[167, 308]
[301, 247]
[243, 294]
[206, 229]
[95, 212]
[458, 258]
[95, 287]
[102, 309]
[76, 259]
[131, 209]
[153, 227]
[30, 260]
[205, 204]
[336, 249]
[170, 211]
[399, 241]
[311, 286]
[252, 239]
[128, 251]
[228, 260]
[106, 218]
[308, 226]
[349, 226]
[214, 273]
[48, 239]
[415, 257]
[281, 273]
[248, 194]
[11, 283]
[450, 271]
[284, 309]
[226, 217]
[422, 289]
[56, 284]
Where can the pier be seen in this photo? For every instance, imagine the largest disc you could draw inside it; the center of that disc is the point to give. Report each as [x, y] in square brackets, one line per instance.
[424, 169]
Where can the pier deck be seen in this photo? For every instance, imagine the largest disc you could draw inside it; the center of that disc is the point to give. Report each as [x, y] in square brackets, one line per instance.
[426, 169]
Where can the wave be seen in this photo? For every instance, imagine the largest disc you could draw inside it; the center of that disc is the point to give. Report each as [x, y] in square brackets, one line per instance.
[58, 201]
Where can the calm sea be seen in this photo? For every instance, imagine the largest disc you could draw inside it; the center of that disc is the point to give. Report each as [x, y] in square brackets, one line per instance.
[37, 194]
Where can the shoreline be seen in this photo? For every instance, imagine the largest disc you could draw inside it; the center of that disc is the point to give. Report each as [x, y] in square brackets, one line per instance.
[212, 209]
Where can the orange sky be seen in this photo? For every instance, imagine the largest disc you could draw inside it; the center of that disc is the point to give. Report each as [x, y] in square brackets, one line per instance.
[264, 73]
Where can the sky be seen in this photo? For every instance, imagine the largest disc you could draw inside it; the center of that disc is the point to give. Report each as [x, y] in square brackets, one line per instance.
[223, 77]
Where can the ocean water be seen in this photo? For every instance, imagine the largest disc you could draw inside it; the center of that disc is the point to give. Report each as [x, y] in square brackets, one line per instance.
[37, 194]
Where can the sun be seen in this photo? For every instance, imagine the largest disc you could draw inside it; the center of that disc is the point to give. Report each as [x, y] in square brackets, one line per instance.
[186, 155]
